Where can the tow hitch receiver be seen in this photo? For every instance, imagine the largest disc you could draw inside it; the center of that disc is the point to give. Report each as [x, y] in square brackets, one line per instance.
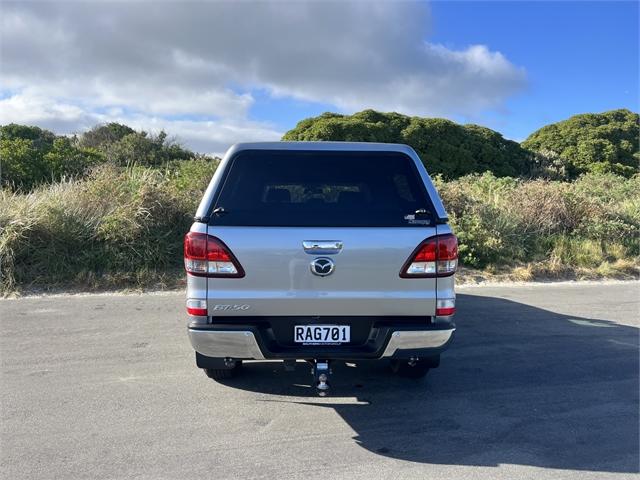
[321, 372]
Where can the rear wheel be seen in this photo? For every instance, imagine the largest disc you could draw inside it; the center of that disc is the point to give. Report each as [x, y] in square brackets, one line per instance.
[218, 368]
[223, 373]
[414, 368]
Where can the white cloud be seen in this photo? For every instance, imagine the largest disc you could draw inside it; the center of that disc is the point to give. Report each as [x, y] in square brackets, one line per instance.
[69, 64]
[206, 136]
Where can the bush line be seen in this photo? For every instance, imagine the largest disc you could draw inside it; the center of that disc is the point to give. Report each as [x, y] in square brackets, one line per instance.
[123, 227]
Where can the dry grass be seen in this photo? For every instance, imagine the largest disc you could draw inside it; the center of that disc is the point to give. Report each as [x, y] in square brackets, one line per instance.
[123, 228]
[118, 228]
[542, 227]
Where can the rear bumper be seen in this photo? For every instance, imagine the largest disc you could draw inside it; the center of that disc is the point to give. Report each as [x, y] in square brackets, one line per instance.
[403, 341]
[226, 343]
[249, 342]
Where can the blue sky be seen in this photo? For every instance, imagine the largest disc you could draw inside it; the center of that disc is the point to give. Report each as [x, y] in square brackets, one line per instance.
[213, 73]
[579, 57]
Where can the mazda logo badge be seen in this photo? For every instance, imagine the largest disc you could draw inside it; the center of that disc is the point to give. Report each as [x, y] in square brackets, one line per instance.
[322, 266]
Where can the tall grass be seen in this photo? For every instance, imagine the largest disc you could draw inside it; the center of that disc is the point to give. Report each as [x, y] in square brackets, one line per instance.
[119, 227]
[587, 228]
[123, 227]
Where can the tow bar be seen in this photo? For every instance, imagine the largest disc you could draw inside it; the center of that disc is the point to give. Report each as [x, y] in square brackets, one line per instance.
[321, 372]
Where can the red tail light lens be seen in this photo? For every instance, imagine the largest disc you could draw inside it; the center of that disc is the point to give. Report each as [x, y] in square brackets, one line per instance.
[208, 256]
[196, 307]
[435, 257]
[445, 307]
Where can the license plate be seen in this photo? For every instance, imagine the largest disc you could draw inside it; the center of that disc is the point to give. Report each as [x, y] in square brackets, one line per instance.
[321, 334]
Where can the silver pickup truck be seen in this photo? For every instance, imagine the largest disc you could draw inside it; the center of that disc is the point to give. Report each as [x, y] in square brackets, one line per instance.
[320, 251]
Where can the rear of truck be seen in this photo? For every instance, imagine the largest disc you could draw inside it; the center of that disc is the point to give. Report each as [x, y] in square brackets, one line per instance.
[320, 251]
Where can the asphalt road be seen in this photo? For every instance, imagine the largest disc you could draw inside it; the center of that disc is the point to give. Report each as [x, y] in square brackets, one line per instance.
[540, 382]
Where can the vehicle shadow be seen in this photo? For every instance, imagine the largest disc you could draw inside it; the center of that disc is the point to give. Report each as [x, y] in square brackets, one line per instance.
[519, 385]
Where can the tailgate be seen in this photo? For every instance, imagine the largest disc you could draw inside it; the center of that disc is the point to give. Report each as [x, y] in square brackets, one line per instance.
[279, 279]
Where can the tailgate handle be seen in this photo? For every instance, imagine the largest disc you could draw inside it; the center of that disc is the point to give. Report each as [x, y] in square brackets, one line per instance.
[323, 247]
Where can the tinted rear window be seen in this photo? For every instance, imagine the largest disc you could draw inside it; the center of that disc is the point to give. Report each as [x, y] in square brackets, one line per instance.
[307, 189]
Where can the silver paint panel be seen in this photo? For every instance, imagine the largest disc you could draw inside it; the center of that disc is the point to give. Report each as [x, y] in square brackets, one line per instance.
[366, 279]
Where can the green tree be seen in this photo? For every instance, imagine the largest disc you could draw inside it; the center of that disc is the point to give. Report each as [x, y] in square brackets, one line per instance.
[42, 139]
[445, 147]
[30, 156]
[591, 142]
[21, 164]
[66, 159]
[123, 145]
[102, 135]
[140, 148]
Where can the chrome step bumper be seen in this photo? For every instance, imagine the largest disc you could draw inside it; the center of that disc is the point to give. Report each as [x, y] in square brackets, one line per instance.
[415, 340]
[243, 344]
[220, 344]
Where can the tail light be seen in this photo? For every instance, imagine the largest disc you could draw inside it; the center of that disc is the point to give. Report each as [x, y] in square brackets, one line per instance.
[435, 257]
[207, 256]
[196, 307]
[445, 307]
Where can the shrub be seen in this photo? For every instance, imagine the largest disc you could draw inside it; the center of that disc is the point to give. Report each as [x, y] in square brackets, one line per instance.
[105, 134]
[592, 142]
[31, 156]
[445, 147]
[502, 221]
[124, 226]
[117, 227]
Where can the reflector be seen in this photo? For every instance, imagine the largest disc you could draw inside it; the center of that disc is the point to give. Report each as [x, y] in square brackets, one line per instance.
[196, 307]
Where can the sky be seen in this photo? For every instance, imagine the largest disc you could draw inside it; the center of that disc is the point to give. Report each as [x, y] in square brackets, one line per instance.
[215, 73]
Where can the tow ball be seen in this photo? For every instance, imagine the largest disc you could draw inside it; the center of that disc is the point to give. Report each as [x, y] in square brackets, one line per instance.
[321, 372]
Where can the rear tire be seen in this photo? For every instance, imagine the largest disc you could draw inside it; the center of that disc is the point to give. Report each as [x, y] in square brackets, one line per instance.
[419, 369]
[221, 374]
[218, 368]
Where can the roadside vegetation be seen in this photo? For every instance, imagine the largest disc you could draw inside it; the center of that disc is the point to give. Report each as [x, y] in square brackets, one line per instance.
[546, 229]
[600, 143]
[116, 227]
[109, 208]
[32, 156]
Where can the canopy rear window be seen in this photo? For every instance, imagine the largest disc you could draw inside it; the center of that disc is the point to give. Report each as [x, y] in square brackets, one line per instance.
[320, 188]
